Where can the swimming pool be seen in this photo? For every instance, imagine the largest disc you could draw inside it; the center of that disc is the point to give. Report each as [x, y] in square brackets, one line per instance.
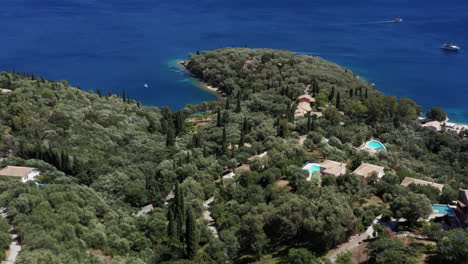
[375, 145]
[443, 209]
[311, 167]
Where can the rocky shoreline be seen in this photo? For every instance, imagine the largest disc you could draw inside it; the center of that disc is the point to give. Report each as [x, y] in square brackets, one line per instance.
[203, 85]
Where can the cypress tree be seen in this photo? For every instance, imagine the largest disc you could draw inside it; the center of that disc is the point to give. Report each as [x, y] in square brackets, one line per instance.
[366, 94]
[99, 92]
[124, 95]
[288, 111]
[309, 122]
[245, 125]
[205, 151]
[338, 101]
[284, 130]
[58, 160]
[351, 93]
[171, 230]
[332, 94]
[192, 236]
[238, 106]
[196, 140]
[8, 86]
[313, 88]
[68, 163]
[225, 118]
[277, 122]
[218, 118]
[227, 103]
[242, 138]
[179, 214]
[224, 142]
[179, 123]
[170, 140]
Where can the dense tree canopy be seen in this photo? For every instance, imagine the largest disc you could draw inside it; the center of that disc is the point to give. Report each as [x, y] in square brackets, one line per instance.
[412, 207]
[104, 157]
[436, 113]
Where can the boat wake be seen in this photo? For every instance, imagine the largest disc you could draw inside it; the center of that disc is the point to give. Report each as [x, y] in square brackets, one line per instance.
[396, 20]
[382, 22]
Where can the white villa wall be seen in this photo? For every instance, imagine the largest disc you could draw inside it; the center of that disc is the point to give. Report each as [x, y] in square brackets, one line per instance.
[31, 176]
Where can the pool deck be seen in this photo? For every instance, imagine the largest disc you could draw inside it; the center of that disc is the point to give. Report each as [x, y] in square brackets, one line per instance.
[436, 213]
[307, 166]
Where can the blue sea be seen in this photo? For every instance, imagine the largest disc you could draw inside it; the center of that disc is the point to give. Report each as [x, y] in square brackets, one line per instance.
[122, 44]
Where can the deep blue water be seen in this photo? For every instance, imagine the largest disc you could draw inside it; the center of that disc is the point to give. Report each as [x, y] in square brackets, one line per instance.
[116, 44]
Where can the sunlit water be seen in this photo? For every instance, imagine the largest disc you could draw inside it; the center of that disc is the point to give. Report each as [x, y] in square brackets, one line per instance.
[117, 44]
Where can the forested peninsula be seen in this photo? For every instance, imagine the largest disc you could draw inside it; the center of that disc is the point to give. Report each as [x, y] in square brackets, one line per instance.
[223, 181]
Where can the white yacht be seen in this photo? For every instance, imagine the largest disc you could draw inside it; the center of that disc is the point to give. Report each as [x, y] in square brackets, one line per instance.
[450, 47]
[398, 20]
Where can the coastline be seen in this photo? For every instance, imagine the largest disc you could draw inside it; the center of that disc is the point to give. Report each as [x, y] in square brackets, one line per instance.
[363, 74]
[182, 64]
[214, 90]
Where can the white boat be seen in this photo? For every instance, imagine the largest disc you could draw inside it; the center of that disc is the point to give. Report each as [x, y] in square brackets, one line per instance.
[146, 85]
[450, 47]
[398, 20]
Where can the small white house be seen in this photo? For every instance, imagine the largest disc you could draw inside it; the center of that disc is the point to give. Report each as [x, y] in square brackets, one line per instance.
[229, 175]
[24, 173]
[5, 91]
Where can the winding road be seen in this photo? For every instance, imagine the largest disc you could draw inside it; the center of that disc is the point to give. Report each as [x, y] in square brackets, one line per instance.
[208, 218]
[15, 246]
[353, 242]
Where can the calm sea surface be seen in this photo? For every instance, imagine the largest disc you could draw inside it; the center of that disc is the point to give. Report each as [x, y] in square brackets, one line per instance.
[116, 44]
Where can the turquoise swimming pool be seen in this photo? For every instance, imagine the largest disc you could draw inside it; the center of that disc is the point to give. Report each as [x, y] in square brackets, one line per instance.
[443, 209]
[311, 167]
[375, 145]
[314, 168]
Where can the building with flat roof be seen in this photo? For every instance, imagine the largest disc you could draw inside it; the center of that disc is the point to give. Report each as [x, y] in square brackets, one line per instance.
[365, 170]
[23, 173]
[333, 168]
[408, 180]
